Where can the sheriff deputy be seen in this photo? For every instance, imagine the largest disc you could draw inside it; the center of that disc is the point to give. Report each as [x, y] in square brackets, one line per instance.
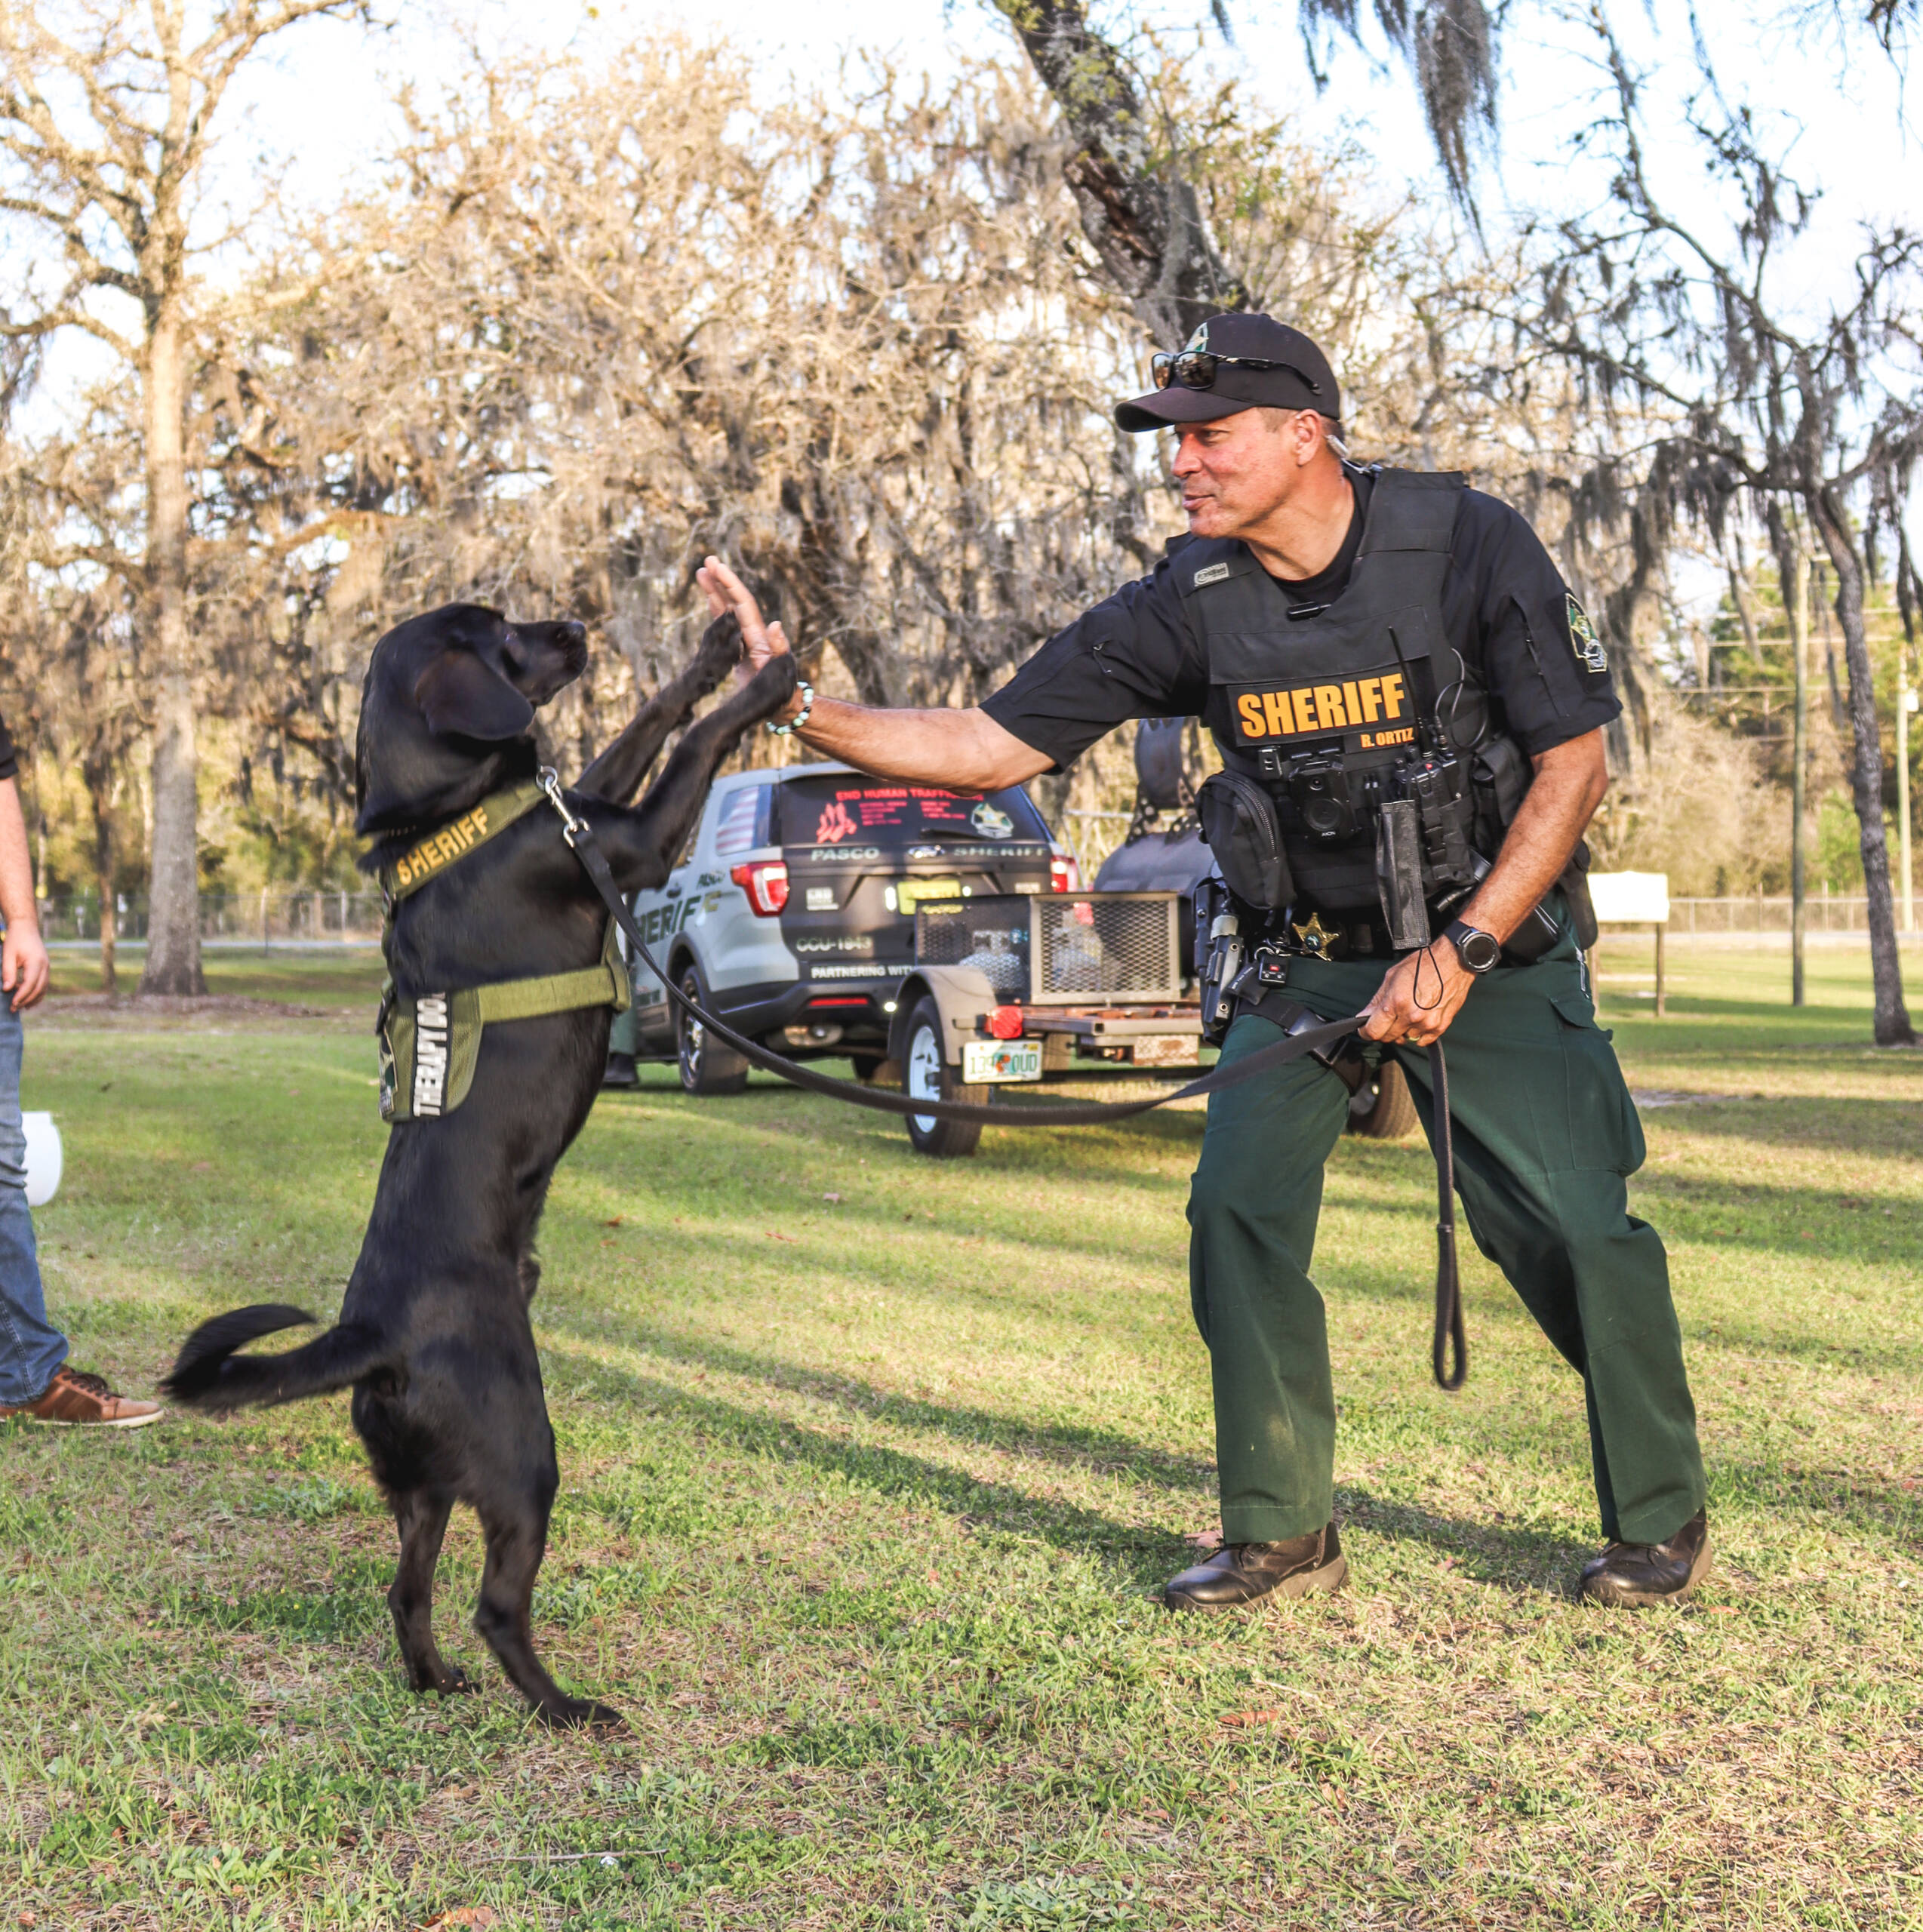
[1346, 633]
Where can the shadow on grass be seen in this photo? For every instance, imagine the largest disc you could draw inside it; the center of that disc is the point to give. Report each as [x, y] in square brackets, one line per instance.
[1100, 1451]
[1138, 1555]
[1524, 1561]
[1135, 1552]
[1514, 1557]
[1109, 1156]
[1857, 1125]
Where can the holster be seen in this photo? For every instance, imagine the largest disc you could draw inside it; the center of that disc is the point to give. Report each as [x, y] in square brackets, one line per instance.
[1344, 1060]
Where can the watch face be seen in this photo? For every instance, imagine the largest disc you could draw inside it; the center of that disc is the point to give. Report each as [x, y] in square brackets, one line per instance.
[1477, 951]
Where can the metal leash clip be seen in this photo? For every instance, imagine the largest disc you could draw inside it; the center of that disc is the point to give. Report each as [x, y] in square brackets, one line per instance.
[549, 781]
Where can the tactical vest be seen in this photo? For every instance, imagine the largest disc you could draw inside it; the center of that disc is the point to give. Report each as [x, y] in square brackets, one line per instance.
[430, 1042]
[1333, 709]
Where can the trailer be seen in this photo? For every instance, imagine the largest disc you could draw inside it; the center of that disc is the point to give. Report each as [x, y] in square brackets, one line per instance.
[1025, 989]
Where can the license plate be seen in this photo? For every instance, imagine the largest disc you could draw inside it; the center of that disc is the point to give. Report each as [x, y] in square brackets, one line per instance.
[905, 894]
[1167, 1050]
[1000, 1060]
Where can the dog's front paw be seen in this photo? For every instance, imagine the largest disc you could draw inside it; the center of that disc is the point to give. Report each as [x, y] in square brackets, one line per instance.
[774, 684]
[719, 650]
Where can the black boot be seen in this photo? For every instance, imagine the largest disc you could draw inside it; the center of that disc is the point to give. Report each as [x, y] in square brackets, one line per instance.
[1638, 1573]
[1243, 1572]
[621, 1072]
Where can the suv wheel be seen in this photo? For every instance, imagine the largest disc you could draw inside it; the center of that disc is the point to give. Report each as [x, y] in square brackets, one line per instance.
[926, 1075]
[706, 1065]
[1381, 1107]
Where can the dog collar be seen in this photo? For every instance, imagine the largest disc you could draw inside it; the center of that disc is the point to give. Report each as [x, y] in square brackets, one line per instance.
[439, 849]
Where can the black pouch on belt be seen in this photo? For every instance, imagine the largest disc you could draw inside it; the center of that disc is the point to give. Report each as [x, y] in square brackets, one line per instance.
[1238, 821]
[1398, 875]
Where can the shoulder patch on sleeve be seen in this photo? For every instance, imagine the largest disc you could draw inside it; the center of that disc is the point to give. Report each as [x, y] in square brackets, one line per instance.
[1216, 573]
[1583, 641]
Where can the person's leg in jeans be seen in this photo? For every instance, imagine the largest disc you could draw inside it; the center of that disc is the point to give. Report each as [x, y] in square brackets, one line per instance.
[30, 1349]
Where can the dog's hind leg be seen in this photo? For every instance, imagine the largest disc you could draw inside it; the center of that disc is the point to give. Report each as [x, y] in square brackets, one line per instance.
[421, 1515]
[516, 1531]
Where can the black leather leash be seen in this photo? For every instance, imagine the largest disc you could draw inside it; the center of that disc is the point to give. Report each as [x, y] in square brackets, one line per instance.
[580, 835]
[581, 841]
[1449, 1327]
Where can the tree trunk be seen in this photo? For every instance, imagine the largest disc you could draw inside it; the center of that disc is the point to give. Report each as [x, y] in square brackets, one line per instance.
[1141, 218]
[1892, 1019]
[97, 784]
[109, 929]
[174, 962]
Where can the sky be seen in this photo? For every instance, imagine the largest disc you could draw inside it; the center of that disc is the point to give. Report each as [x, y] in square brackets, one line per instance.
[322, 103]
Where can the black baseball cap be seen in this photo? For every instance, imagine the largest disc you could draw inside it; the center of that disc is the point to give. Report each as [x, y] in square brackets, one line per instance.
[1301, 378]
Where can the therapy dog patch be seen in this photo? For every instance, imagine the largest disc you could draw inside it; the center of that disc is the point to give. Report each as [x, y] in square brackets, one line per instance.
[431, 1046]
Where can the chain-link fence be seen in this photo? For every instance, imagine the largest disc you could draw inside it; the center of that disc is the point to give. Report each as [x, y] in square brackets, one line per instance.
[231, 919]
[1769, 912]
[353, 918]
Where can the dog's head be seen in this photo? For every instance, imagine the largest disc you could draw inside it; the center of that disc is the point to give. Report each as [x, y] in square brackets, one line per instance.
[446, 707]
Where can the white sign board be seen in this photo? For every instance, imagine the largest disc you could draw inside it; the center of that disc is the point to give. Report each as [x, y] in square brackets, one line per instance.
[1630, 899]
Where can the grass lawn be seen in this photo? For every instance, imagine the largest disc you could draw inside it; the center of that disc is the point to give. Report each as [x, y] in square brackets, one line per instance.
[870, 1467]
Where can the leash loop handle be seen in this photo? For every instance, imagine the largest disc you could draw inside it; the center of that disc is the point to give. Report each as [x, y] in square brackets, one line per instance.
[1450, 1331]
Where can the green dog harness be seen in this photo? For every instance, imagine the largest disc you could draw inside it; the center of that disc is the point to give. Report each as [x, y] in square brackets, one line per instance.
[430, 1043]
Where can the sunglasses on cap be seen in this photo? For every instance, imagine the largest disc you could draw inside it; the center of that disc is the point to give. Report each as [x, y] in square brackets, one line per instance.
[1196, 368]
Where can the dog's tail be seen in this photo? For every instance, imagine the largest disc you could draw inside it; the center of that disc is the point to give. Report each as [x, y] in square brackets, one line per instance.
[209, 1375]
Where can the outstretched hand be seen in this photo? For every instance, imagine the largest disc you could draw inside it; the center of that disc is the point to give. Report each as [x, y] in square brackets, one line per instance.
[1419, 996]
[761, 640]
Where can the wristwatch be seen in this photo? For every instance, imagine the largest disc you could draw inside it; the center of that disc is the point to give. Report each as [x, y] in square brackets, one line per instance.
[1478, 950]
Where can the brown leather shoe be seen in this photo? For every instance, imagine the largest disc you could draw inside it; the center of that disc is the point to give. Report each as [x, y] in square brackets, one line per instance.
[1242, 1572]
[75, 1400]
[1636, 1574]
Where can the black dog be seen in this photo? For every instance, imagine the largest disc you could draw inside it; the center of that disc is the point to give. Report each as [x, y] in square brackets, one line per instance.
[434, 1333]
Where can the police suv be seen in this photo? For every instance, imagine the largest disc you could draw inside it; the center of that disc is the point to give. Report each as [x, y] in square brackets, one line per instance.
[791, 914]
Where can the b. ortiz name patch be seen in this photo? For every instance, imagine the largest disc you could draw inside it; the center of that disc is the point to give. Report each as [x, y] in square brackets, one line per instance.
[1376, 708]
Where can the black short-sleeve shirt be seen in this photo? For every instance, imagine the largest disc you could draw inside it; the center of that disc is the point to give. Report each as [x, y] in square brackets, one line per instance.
[10, 763]
[1505, 607]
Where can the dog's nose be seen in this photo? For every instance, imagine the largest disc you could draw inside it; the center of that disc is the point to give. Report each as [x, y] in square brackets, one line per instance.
[573, 634]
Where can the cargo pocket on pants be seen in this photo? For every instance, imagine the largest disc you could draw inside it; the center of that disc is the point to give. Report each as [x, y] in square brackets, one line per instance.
[1604, 1130]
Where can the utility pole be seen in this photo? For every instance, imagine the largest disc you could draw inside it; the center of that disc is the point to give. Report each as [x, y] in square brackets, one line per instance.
[1799, 644]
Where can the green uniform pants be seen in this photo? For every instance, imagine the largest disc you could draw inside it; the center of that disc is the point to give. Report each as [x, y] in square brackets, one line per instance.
[1545, 1133]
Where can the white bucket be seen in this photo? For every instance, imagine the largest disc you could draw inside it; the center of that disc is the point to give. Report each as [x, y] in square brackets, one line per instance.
[43, 1158]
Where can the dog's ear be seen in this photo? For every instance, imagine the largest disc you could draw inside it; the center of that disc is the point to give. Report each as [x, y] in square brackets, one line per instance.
[460, 696]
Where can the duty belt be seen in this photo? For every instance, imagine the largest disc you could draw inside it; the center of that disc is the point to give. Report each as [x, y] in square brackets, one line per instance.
[430, 1042]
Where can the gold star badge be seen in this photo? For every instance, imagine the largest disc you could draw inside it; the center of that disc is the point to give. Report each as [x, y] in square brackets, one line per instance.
[1315, 937]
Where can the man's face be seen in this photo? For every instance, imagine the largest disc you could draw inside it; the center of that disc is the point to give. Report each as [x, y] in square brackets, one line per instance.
[1236, 471]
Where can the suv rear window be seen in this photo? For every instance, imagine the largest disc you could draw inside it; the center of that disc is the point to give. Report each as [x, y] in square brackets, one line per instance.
[834, 810]
[742, 822]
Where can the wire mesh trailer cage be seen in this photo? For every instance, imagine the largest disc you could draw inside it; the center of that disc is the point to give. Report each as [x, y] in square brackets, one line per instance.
[1060, 949]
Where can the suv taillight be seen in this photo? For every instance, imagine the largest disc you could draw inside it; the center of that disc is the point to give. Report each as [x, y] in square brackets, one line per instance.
[1064, 876]
[765, 881]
